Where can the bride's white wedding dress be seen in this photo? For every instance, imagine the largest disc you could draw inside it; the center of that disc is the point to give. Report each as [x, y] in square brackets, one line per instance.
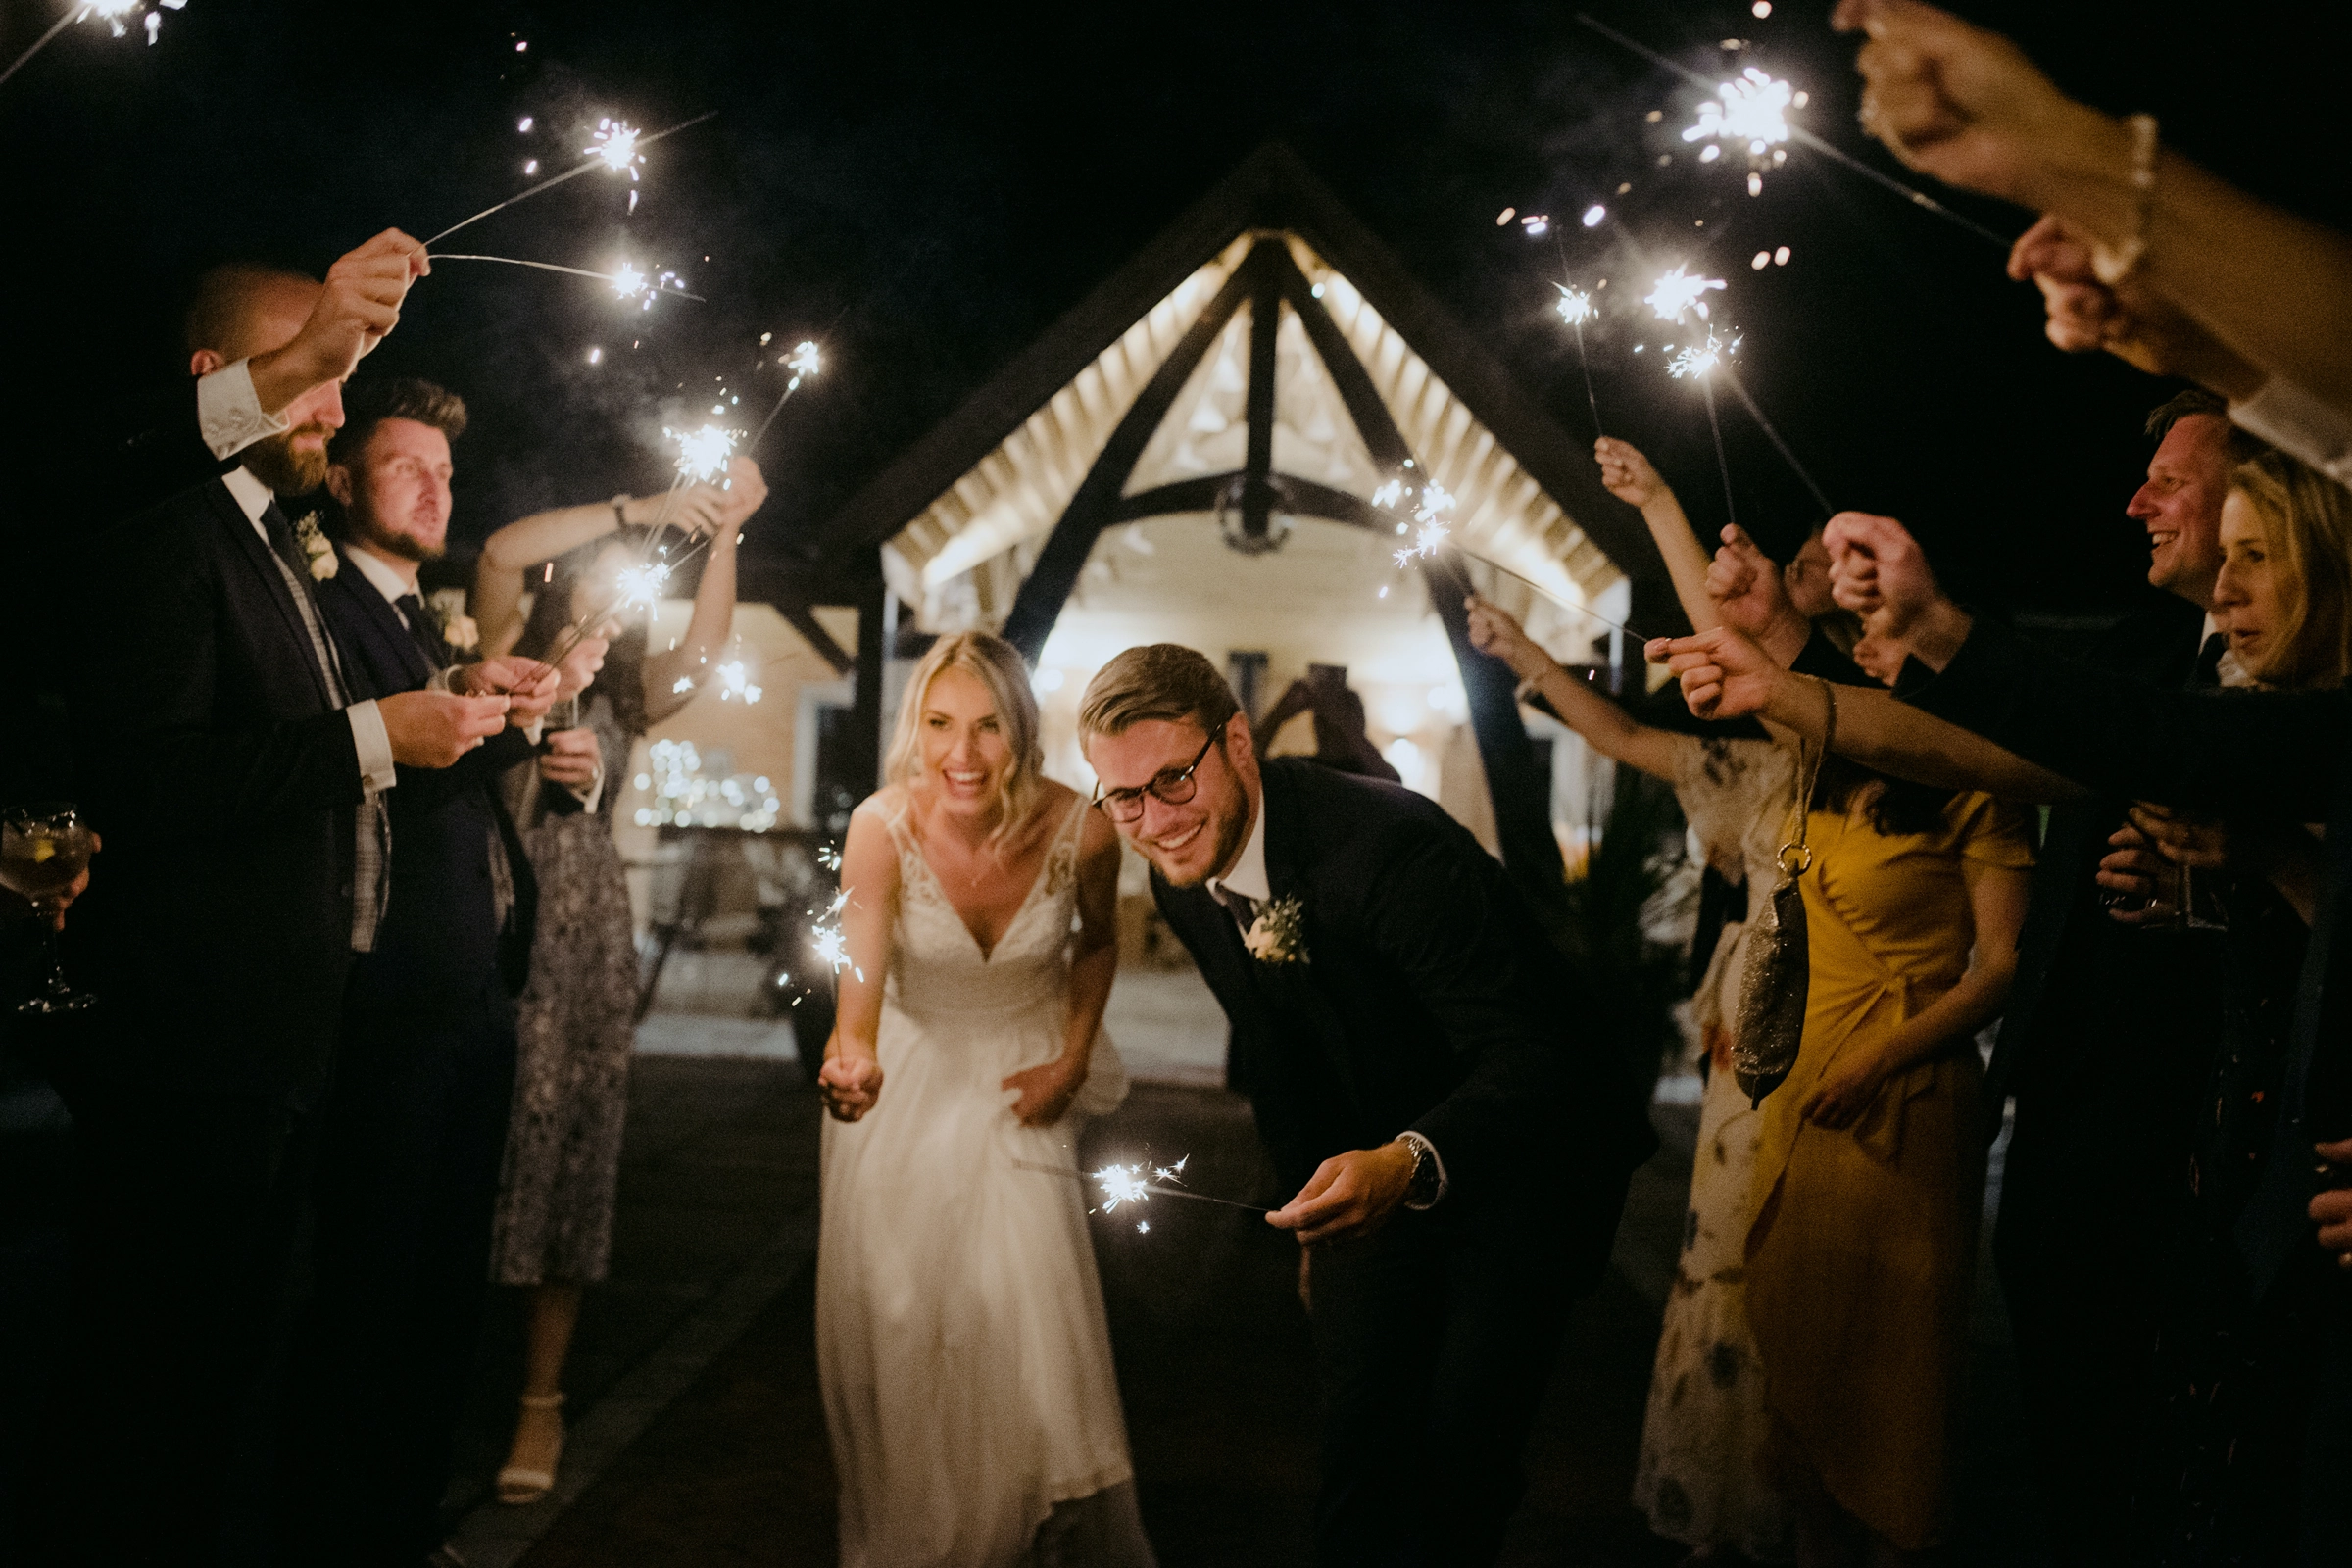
[961, 1338]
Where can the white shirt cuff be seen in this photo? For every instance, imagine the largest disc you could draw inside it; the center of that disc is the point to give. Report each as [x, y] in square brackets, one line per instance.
[2300, 424]
[229, 411]
[1416, 1140]
[375, 745]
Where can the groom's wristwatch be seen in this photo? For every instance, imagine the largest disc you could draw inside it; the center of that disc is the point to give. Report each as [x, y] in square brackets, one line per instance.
[1428, 1182]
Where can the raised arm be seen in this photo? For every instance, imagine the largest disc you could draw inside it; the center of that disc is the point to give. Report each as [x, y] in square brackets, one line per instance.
[1630, 477]
[851, 1080]
[1724, 675]
[1608, 728]
[689, 662]
[513, 550]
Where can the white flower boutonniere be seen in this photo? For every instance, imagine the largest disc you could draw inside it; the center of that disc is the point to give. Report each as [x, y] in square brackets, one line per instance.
[458, 629]
[1278, 933]
[317, 547]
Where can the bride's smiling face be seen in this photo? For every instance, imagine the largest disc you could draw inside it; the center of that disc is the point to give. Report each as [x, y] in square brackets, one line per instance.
[966, 755]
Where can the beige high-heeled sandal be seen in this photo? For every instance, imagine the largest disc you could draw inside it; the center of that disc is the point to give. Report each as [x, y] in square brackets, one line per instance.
[519, 1485]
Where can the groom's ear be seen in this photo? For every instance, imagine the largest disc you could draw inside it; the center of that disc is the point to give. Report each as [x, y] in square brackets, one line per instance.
[1240, 744]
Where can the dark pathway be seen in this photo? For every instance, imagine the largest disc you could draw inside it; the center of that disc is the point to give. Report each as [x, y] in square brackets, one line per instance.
[699, 1458]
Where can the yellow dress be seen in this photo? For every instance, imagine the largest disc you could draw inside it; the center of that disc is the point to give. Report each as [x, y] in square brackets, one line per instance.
[1860, 1260]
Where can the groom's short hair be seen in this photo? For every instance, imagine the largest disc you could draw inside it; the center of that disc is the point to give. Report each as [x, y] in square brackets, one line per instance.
[1159, 680]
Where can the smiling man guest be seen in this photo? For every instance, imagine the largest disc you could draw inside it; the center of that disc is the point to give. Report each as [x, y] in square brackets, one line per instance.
[416, 1122]
[1459, 1149]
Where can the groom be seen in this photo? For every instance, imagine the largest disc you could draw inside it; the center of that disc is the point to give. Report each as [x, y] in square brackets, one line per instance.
[1461, 1153]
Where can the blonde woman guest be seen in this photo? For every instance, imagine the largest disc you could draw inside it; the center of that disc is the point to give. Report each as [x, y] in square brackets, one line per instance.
[576, 1024]
[961, 1345]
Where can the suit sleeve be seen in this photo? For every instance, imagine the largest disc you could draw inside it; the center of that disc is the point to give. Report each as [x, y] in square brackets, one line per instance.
[145, 701]
[163, 454]
[1446, 918]
[2260, 754]
[483, 765]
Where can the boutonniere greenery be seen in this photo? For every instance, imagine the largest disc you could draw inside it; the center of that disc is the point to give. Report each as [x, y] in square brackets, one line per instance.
[317, 547]
[1278, 936]
[458, 629]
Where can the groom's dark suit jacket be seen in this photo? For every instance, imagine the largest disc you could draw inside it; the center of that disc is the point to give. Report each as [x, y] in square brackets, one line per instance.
[1430, 1001]
[441, 938]
[211, 757]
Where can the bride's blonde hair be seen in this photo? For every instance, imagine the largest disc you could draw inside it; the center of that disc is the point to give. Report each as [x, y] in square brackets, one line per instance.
[997, 666]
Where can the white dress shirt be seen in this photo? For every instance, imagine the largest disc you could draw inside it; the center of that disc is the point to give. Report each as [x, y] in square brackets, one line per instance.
[1248, 877]
[369, 737]
[229, 411]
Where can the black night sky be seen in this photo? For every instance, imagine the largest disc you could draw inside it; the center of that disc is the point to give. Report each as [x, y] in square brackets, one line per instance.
[924, 191]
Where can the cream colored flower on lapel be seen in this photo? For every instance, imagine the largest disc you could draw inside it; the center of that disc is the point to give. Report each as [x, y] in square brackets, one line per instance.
[317, 548]
[1278, 933]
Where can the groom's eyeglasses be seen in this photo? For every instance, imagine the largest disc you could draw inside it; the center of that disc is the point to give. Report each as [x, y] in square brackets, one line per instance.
[1174, 786]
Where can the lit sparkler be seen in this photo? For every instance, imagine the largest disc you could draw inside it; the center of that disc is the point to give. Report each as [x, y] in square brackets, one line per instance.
[1677, 293]
[628, 280]
[1753, 109]
[1429, 515]
[735, 680]
[1697, 362]
[640, 587]
[802, 362]
[615, 145]
[1576, 309]
[117, 14]
[606, 152]
[704, 454]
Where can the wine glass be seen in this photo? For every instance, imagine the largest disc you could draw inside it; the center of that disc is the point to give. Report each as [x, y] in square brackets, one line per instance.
[44, 848]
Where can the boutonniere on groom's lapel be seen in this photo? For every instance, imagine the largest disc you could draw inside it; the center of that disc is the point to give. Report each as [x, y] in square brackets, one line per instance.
[458, 629]
[317, 547]
[1278, 936]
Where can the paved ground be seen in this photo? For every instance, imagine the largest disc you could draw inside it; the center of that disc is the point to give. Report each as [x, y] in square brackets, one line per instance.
[697, 1437]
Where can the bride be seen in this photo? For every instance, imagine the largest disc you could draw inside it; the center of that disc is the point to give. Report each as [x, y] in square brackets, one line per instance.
[961, 1338]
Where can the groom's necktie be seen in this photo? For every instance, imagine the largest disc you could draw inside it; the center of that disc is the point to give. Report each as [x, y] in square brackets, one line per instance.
[2209, 661]
[1240, 905]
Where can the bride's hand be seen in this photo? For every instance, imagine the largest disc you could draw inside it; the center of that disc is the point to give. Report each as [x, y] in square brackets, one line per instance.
[849, 1086]
[1045, 1090]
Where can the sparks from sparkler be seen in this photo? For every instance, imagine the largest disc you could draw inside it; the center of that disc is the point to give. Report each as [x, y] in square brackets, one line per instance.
[1697, 362]
[1126, 1184]
[1803, 138]
[1429, 508]
[595, 158]
[614, 144]
[702, 454]
[802, 362]
[1677, 293]
[735, 680]
[1576, 309]
[1753, 111]
[114, 11]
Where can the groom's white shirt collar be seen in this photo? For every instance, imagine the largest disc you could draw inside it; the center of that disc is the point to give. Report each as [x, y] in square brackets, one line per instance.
[1249, 874]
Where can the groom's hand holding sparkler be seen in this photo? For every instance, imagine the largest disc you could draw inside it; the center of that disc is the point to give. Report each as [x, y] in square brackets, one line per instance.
[358, 305]
[433, 729]
[1350, 1195]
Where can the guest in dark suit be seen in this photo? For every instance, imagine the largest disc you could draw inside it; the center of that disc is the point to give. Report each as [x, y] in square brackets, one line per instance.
[237, 767]
[1459, 1154]
[415, 1121]
[2109, 1036]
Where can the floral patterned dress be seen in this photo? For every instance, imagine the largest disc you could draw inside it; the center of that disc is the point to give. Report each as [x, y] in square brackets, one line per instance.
[1699, 1480]
[574, 1031]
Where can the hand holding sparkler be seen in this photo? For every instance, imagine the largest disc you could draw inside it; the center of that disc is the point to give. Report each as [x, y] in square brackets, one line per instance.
[573, 760]
[1746, 589]
[849, 1084]
[529, 686]
[1723, 673]
[357, 306]
[2128, 318]
[1967, 106]
[1045, 1091]
[1496, 633]
[433, 729]
[1350, 1195]
[1626, 473]
[1878, 570]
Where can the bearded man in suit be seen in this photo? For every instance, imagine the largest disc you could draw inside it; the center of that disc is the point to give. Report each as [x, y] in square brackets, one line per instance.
[416, 1117]
[237, 766]
[1461, 1153]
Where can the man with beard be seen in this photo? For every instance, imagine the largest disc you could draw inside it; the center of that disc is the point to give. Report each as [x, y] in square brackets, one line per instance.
[239, 769]
[415, 1124]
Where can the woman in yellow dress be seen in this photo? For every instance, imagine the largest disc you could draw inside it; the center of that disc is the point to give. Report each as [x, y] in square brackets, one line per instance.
[1870, 1168]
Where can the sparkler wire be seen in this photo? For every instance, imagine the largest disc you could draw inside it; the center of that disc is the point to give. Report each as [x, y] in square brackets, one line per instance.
[43, 43]
[1917, 198]
[1153, 1187]
[1707, 391]
[1779, 445]
[551, 266]
[593, 161]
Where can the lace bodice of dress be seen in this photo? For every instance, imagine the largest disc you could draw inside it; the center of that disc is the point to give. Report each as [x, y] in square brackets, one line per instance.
[937, 975]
